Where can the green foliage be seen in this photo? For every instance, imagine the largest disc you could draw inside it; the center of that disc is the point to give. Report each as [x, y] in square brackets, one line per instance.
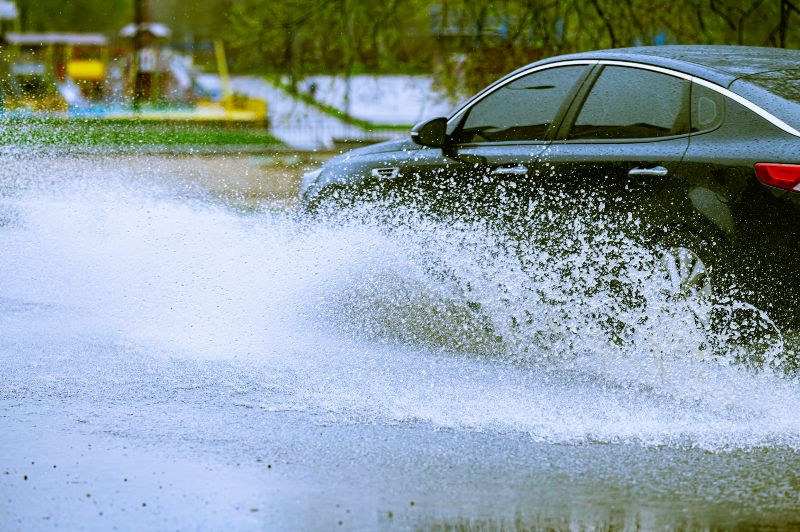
[196, 19]
[74, 15]
[466, 42]
[469, 42]
[303, 36]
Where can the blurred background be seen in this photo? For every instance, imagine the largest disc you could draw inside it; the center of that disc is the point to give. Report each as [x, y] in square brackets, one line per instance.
[319, 74]
[482, 38]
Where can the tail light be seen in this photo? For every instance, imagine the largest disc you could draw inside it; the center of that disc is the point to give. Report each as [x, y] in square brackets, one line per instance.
[786, 176]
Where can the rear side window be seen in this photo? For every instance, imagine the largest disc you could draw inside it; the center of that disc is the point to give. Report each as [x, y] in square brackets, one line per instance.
[631, 103]
[707, 108]
[522, 110]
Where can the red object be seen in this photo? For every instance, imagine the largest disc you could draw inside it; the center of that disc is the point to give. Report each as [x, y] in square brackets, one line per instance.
[785, 176]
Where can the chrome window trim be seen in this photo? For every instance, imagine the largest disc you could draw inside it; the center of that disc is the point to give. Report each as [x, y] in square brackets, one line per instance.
[774, 120]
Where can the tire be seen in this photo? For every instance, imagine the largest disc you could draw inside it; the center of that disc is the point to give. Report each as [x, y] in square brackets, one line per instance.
[738, 331]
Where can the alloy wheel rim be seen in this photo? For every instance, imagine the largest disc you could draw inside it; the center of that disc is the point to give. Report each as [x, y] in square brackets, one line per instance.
[687, 274]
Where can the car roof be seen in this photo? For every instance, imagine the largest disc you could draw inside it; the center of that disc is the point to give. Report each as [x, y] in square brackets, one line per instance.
[732, 67]
[719, 64]
[735, 69]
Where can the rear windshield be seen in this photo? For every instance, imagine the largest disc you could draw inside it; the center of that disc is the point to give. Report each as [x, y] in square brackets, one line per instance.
[785, 84]
[777, 92]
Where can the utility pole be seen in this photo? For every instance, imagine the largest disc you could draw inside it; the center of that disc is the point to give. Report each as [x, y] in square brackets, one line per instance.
[138, 19]
[349, 59]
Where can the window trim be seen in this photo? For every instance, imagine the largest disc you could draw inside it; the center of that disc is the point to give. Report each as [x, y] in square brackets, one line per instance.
[612, 62]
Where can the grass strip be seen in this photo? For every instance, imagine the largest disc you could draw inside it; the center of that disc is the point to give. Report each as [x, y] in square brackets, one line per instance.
[97, 133]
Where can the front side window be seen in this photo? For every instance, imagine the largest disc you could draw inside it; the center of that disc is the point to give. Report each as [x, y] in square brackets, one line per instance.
[522, 110]
[631, 103]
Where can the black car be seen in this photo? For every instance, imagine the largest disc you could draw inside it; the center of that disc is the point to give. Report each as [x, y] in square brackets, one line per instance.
[703, 141]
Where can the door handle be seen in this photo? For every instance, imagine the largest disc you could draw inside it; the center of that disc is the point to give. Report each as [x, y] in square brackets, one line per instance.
[657, 171]
[511, 170]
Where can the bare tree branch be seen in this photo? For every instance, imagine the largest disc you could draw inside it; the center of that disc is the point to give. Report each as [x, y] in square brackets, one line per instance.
[607, 23]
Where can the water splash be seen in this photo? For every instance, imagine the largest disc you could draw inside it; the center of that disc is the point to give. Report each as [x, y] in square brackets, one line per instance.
[565, 332]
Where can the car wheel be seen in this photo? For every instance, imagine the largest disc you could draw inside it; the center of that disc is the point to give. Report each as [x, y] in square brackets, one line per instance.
[747, 335]
[737, 329]
[687, 274]
[688, 281]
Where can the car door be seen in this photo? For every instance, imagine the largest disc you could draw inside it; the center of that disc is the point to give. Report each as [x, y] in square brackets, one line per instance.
[495, 141]
[622, 142]
[752, 230]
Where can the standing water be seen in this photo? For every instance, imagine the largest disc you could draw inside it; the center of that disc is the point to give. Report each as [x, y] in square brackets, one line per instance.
[175, 355]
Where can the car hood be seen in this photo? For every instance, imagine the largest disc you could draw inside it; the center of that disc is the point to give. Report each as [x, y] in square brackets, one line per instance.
[382, 147]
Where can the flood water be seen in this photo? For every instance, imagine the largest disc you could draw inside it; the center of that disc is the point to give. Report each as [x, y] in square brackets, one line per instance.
[181, 349]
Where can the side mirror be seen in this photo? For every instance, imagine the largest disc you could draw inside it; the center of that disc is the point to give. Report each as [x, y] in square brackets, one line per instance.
[431, 133]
